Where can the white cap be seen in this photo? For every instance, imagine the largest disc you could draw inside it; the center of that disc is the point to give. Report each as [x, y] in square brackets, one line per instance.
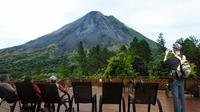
[53, 78]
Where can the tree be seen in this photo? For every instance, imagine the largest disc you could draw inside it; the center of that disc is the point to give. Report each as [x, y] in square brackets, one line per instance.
[156, 67]
[144, 51]
[94, 58]
[140, 49]
[161, 44]
[63, 67]
[82, 59]
[62, 70]
[97, 59]
[134, 46]
[119, 65]
[105, 56]
[139, 66]
[123, 48]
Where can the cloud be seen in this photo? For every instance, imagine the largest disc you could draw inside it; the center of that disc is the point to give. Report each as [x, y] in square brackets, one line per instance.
[24, 20]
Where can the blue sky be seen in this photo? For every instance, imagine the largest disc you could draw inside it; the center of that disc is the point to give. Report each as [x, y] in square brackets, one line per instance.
[25, 20]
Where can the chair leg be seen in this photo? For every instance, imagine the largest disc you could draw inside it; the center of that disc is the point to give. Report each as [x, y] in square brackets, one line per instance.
[12, 108]
[159, 105]
[66, 107]
[38, 106]
[128, 103]
[120, 107]
[149, 107]
[49, 107]
[33, 107]
[20, 105]
[77, 106]
[134, 109]
[95, 105]
[92, 106]
[58, 108]
[54, 108]
[70, 105]
[124, 106]
[100, 105]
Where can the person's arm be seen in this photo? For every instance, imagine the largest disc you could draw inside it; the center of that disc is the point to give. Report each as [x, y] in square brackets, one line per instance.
[37, 90]
[166, 54]
[10, 87]
[61, 88]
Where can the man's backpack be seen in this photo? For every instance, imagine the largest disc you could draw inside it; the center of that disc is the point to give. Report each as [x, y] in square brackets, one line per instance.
[184, 69]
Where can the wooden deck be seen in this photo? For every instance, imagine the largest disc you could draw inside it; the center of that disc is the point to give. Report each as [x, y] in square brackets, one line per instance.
[167, 104]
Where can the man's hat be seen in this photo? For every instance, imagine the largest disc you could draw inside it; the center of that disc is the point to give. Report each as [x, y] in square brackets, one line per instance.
[177, 46]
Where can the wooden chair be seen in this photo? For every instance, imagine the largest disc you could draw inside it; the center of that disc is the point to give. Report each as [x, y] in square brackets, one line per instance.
[144, 93]
[27, 95]
[51, 97]
[112, 94]
[82, 93]
[43, 88]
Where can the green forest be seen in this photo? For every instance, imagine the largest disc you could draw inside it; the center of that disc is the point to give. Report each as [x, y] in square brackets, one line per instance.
[134, 60]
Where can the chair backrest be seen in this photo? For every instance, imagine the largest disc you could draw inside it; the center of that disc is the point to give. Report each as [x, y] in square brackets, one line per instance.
[112, 93]
[146, 93]
[51, 94]
[43, 88]
[26, 93]
[82, 92]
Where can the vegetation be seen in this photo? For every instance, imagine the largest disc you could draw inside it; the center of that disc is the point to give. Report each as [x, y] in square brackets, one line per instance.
[161, 44]
[119, 65]
[135, 59]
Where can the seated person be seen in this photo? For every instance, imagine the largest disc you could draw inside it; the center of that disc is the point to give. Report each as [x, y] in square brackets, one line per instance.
[29, 79]
[7, 90]
[63, 91]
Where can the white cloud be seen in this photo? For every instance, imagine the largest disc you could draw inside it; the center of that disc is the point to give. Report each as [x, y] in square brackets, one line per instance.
[24, 20]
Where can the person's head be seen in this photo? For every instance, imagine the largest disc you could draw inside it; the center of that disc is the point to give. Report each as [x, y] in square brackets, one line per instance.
[28, 79]
[53, 79]
[177, 47]
[5, 78]
[3, 71]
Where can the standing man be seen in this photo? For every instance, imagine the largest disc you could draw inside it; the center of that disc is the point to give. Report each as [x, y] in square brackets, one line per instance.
[176, 82]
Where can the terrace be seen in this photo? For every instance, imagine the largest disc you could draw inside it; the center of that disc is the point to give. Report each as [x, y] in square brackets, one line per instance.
[192, 102]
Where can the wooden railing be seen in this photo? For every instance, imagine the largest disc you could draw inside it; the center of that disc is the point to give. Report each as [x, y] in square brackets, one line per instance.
[190, 84]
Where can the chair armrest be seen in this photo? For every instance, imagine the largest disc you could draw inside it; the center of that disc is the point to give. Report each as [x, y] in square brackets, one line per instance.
[131, 95]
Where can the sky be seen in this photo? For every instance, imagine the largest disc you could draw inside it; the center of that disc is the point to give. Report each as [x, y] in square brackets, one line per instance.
[25, 20]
